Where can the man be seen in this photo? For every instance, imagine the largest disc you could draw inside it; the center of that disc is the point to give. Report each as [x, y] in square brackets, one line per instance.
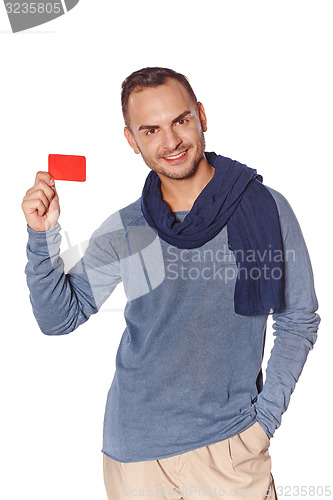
[204, 255]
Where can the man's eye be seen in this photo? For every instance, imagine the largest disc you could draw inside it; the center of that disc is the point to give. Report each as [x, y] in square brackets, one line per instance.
[181, 122]
[151, 131]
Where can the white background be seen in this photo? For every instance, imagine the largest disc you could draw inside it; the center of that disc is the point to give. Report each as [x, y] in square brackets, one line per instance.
[263, 70]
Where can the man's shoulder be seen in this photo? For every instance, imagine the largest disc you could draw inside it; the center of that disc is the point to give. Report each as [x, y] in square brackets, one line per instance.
[288, 220]
[281, 201]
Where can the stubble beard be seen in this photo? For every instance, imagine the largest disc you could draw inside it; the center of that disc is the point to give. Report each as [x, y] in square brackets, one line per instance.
[172, 172]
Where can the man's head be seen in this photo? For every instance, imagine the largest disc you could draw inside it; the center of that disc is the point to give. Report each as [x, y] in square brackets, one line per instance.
[164, 122]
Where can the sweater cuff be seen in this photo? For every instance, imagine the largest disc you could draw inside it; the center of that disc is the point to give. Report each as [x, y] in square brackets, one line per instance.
[44, 242]
[41, 234]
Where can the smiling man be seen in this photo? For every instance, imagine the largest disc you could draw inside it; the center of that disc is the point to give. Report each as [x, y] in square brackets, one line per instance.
[205, 255]
[167, 127]
[171, 143]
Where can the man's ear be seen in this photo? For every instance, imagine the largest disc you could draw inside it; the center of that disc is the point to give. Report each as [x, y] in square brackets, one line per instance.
[131, 140]
[202, 116]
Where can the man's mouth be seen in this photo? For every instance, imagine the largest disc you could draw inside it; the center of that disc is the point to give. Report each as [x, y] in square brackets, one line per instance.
[177, 157]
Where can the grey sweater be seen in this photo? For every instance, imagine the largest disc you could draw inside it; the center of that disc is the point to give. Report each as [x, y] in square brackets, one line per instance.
[188, 369]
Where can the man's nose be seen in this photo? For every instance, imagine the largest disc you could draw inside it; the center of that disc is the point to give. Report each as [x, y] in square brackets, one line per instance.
[171, 140]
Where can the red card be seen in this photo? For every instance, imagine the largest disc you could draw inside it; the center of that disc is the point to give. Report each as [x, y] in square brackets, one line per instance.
[67, 167]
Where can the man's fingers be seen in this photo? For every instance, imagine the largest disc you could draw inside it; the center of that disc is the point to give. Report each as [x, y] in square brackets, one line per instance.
[41, 187]
[32, 206]
[56, 197]
[44, 176]
[38, 194]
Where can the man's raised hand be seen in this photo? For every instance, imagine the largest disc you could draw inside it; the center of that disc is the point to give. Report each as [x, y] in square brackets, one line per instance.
[41, 203]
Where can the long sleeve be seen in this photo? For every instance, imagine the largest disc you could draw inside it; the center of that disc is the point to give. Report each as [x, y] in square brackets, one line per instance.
[295, 329]
[61, 302]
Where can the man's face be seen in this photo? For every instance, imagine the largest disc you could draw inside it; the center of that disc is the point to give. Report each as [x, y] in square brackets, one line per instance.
[167, 129]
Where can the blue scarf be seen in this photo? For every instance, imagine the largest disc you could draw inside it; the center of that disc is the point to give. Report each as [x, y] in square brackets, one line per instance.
[235, 195]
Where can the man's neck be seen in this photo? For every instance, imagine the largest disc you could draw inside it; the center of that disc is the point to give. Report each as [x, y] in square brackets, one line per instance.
[180, 194]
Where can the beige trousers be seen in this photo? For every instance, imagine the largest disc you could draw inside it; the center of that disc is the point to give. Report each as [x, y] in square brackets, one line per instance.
[238, 467]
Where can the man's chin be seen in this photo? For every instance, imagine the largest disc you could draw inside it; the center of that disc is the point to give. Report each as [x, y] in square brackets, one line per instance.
[184, 174]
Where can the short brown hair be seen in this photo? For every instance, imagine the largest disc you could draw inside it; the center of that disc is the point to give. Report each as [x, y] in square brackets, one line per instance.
[149, 77]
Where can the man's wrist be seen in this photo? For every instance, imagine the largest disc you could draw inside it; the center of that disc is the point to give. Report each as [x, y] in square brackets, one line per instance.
[53, 230]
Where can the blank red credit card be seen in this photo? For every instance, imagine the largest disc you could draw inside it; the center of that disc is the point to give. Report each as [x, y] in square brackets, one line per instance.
[67, 167]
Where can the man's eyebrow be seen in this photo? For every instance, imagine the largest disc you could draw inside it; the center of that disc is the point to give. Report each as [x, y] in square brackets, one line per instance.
[147, 127]
[180, 117]
[175, 120]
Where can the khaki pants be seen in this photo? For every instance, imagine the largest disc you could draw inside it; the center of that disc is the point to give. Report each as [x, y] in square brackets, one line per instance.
[238, 467]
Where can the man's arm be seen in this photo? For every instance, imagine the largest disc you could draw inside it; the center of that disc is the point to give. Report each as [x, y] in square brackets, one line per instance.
[295, 327]
[61, 302]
